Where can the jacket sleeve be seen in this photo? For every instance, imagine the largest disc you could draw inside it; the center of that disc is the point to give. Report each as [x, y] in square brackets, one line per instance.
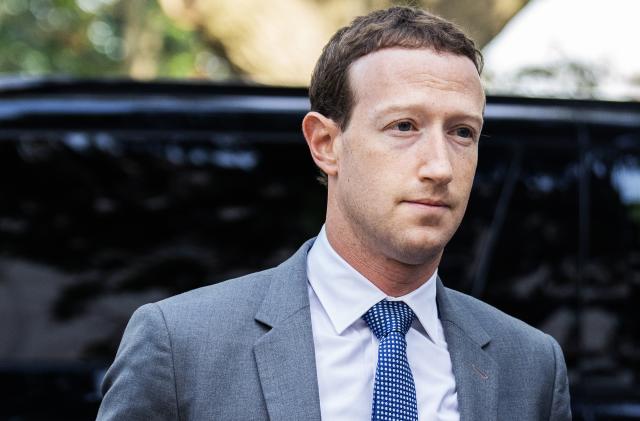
[560, 403]
[140, 384]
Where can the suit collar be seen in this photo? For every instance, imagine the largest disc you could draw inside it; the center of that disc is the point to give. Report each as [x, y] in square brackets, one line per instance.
[288, 291]
[476, 372]
[285, 355]
[454, 312]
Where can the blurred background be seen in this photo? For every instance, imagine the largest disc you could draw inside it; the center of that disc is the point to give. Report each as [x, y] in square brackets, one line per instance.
[148, 147]
[567, 48]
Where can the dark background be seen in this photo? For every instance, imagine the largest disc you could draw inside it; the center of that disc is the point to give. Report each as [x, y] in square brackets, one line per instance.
[114, 194]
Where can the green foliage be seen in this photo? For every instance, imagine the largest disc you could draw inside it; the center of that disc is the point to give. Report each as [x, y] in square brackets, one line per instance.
[88, 38]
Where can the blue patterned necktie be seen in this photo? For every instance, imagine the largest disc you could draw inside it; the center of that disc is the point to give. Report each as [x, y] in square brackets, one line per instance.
[394, 392]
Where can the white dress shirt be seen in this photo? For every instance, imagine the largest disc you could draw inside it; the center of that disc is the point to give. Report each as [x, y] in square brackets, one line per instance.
[347, 351]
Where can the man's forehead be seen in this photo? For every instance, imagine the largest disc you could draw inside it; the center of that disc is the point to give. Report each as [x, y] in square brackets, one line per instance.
[425, 53]
[387, 75]
[420, 67]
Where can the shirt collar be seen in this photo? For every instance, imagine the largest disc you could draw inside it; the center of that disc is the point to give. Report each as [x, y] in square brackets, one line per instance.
[345, 294]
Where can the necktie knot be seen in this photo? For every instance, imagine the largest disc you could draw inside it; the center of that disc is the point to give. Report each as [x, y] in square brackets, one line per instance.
[389, 316]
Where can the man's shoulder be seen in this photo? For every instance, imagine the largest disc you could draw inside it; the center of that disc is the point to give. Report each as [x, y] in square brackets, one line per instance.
[246, 287]
[237, 295]
[528, 362]
[500, 326]
[234, 303]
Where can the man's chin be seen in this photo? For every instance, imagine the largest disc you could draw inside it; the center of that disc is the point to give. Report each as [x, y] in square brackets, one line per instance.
[418, 252]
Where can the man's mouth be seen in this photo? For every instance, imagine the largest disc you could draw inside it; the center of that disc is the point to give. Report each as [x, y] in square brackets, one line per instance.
[436, 203]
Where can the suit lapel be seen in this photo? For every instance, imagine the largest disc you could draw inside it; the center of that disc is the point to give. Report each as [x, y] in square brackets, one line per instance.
[285, 355]
[475, 371]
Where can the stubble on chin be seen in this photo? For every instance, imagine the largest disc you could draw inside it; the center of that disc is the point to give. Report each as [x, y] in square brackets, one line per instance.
[413, 249]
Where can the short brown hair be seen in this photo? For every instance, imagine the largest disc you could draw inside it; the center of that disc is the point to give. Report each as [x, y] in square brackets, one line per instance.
[400, 26]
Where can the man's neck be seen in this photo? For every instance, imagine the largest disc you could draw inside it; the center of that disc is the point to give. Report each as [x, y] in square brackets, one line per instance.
[392, 277]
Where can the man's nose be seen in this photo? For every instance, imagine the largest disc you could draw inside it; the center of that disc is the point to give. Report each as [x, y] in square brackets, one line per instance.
[435, 162]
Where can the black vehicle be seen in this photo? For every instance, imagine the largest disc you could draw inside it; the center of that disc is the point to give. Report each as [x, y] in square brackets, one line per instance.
[118, 193]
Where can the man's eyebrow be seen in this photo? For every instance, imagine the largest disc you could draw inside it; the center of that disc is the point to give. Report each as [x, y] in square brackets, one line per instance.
[477, 118]
[379, 111]
[376, 111]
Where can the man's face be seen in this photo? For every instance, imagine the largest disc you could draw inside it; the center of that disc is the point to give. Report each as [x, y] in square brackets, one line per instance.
[406, 161]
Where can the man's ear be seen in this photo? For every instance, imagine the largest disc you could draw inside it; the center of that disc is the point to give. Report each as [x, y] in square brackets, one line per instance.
[321, 133]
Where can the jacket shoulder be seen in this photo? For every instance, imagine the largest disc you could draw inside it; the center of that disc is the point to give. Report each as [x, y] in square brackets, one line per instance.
[246, 288]
[230, 304]
[533, 373]
[499, 325]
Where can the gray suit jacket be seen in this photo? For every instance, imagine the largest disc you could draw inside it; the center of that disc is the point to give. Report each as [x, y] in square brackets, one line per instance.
[243, 350]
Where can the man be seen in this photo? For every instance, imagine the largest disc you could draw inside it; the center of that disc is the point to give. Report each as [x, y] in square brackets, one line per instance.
[357, 325]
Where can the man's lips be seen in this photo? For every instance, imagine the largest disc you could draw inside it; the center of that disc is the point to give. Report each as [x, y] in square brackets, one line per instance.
[428, 202]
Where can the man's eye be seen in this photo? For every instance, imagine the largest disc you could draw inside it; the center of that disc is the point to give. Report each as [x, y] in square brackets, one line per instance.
[464, 132]
[404, 126]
